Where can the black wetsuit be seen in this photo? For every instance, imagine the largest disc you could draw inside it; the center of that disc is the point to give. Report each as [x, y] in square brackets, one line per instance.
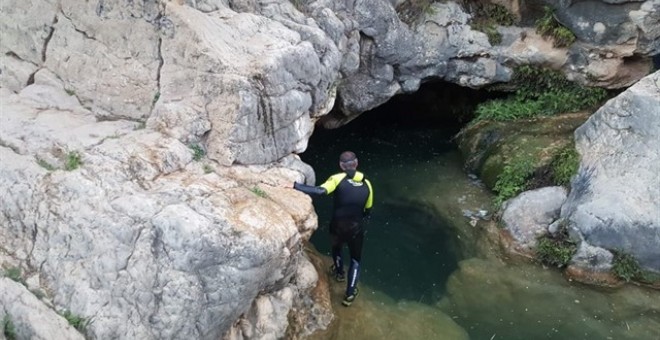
[353, 199]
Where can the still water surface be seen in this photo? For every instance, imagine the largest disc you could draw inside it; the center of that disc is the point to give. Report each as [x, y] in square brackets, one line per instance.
[429, 273]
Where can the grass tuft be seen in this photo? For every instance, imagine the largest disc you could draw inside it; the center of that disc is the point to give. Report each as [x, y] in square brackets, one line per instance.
[513, 179]
[555, 250]
[45, 164]
[549, 26]
[565, 165]
[255, 190]
[626, 267]
[74, 320]
[198, 151]
[73, 161]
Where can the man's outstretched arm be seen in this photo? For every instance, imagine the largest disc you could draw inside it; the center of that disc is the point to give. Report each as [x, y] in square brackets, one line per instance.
[309, 189]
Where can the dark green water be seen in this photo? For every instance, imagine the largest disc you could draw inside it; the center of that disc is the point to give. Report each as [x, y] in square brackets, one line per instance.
[402, 239]
[427, 274]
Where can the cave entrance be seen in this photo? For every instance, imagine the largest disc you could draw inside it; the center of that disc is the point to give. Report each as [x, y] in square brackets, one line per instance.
[405, 148]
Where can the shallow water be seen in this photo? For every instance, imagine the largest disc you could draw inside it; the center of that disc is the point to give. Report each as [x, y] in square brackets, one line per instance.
[427, 271]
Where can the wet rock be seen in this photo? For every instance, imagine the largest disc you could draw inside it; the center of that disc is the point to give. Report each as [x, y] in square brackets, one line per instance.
[488, 146]
[31, 318]
[528, 215]
[614, 202]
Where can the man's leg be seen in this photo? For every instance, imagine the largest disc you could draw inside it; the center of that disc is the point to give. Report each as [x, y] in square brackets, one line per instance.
[338, 263]
[355, 248]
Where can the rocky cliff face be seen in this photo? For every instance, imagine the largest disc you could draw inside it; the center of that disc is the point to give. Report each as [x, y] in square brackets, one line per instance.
[104, 205]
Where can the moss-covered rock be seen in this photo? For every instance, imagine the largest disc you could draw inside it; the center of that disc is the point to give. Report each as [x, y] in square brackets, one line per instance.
[490, 146]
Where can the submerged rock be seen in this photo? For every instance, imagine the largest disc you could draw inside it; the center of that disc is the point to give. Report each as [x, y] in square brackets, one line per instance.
[484, 294]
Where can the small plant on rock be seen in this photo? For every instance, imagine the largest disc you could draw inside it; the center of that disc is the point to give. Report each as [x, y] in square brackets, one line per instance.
[257, 191]
[8, 328]
[73, 161]
[625, 266]
[76, 321]
[198, 152]
[549, 26]
[15, 274]
[555, 250]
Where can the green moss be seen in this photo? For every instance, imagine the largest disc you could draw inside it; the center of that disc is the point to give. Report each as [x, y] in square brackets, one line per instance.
[73, 161]
[198, 151]
[14, 273]
[208, 169]
[549, 26]
[487, 16]
[257, 191]
[74, 320]
[625, 266]
[8, 328]
[565, 165]
[411, 10]
[555, 250]
[45, 164]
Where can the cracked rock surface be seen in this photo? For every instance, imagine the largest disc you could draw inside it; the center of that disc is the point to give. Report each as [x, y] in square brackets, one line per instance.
[100, 193]
[614, 203]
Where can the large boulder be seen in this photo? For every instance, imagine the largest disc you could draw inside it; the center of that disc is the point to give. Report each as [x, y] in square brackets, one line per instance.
[125, 229]
[614, 201]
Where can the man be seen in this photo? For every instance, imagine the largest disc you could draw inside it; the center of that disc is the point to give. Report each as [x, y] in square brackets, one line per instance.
[353, 200]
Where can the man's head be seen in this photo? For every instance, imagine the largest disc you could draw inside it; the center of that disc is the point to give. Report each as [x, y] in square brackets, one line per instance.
[348, 161]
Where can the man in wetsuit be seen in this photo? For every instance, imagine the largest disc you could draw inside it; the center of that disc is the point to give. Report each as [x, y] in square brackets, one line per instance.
[353, 199]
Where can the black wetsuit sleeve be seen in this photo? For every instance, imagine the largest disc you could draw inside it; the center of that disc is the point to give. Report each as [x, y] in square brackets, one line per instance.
[309, 189]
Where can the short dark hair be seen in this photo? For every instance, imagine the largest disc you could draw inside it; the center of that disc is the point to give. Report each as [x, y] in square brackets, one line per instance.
[348, 160]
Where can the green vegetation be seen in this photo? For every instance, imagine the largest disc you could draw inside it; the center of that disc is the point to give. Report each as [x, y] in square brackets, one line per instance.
[38, 293]
[409, 11]
[208, 169]
[198, 152]
[140, 126]
[487, 16]
[565, 165]
[549, 26]
[45, 164]
[70, 92]
[73, 161]
[555, 250]
[494, 37]
[626, 267]
[259, 192]
[9, 330]
[156, 97]
[76, 321]
[15, 274]
[540, 91]
[513, 178]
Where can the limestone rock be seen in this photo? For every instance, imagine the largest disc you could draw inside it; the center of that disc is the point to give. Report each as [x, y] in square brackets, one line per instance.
[528, 215]
[614, 201]
[31, 318]
[152, 247]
